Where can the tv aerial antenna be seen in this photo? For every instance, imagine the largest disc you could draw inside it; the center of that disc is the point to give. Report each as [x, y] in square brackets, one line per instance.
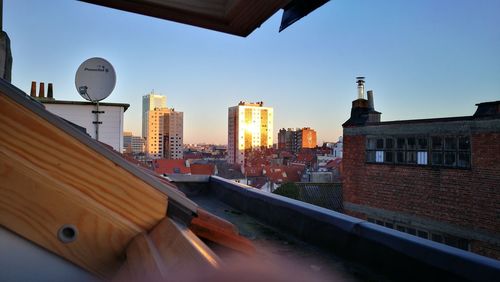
[95, 80]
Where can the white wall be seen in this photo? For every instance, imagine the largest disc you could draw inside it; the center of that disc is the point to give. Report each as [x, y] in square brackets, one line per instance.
[111, 129]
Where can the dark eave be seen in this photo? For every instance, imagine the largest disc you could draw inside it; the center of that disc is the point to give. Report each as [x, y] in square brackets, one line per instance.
[237, 17]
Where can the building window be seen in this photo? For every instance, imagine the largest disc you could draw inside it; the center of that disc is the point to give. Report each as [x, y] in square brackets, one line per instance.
[439, 237]
[400, 150]
[446, 151]
[375, 150]
[451, 151]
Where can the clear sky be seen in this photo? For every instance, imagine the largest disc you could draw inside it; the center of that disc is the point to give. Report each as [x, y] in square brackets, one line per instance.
[423, 59]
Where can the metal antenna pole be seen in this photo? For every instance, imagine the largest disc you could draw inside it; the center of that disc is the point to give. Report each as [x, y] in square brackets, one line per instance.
[97, 122]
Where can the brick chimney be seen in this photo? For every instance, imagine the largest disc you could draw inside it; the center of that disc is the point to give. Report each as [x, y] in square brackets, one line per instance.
[373, 116]
[362, 110]
[50, 91]
[41, 94]
[33, 89]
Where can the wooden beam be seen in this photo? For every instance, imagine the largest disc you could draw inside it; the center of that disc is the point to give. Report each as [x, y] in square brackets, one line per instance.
[181, 249]
[143, 261]
[35, 206]
[220, 231]
[49, 178]
[170, 252]
[62, 157]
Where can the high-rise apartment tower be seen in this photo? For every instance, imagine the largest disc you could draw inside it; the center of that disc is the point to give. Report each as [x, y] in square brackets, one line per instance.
[149, 102]
[296, 139]
[162, 129]
[250, 126]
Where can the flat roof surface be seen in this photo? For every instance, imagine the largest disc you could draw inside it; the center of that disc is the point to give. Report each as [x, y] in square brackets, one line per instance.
[272, 246]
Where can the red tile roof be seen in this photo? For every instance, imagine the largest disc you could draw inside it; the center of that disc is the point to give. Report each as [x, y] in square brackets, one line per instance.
[253, 171]
[282, 174]
[165, 166]
[306, 157]
[335, 163]
[203, 169]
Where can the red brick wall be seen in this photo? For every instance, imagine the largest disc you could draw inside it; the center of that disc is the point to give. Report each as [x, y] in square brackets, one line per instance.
[467, 198]
[485, 249]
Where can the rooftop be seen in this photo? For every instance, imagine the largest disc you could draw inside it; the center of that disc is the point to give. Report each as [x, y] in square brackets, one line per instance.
[326, 242]
[53, 101]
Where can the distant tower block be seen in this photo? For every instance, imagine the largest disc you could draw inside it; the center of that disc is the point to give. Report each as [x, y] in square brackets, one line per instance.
[360, 80]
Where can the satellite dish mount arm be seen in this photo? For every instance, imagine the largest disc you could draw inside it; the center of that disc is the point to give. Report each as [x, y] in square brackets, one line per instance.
[97, 122]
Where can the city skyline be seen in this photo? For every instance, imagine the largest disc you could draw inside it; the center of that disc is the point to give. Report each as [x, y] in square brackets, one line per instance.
[417, 57]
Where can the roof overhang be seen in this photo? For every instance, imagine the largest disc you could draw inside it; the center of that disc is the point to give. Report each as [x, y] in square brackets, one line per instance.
[237, 17]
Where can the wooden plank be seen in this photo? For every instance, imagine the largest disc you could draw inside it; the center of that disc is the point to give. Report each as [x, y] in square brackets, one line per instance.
[36, 205]
[143, 261]
[180, 249]
[62, 157]
[220, 231]
[212, 219]
[170, 252]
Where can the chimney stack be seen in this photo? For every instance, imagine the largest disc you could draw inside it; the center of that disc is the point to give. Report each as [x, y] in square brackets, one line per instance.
[371, 104]
[362, 110]
[360, 80]
[487, 109]
[50, 92]
[33, 89]
[41, 93]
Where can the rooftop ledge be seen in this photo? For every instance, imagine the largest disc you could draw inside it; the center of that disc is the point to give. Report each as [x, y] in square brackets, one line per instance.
[389, 252]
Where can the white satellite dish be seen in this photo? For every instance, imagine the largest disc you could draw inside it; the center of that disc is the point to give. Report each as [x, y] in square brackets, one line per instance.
[95, 79]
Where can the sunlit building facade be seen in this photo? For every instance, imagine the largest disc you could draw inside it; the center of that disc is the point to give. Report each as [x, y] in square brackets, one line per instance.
[149, 102]
[162, 128]
[173, 125]
[296, 139]
[307, 138]
[164, 136]
[250, 126]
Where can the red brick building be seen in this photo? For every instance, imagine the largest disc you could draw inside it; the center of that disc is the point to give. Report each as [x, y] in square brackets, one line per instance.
[297, 139]
[434, 178]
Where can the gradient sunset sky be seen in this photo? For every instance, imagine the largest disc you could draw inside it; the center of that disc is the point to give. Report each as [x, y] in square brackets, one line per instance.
[422, 58]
